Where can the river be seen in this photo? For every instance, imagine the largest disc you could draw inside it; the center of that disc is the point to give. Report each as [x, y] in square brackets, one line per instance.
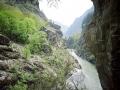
[85, 78]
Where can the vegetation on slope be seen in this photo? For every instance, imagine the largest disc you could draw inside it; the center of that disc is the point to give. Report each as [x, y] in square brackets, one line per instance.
[61, 63]
[56, 70]
[22, 28]
[26, 29]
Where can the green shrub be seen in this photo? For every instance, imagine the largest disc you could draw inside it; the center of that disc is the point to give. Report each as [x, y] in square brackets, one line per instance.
[23, 78]
[61, 63]
[23, 28]
[18, 26]
[26, 52]
[39, 44]
[19, 86]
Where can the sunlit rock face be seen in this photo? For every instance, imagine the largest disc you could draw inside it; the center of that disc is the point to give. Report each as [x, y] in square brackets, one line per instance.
[103, 41]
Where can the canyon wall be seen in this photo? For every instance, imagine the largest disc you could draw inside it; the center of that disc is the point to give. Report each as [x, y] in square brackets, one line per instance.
[102, 38]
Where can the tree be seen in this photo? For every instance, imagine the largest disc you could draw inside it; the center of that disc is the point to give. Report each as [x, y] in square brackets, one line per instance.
[53, 2]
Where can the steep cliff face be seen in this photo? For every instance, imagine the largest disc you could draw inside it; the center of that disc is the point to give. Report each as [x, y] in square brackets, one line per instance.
[103, 41]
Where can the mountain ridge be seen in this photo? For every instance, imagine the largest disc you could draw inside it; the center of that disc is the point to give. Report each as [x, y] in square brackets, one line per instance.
[76, 27]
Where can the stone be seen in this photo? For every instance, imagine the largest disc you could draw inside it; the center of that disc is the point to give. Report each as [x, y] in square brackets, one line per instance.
[2, 57]
[5, 78]
[28, 68]
[12, 55]
[4, 66]
[4, 40]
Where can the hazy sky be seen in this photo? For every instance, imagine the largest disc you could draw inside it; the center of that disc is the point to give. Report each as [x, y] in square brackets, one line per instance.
[67, 10]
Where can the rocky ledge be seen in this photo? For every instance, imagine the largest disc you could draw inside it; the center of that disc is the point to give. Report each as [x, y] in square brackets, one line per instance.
[13, 64]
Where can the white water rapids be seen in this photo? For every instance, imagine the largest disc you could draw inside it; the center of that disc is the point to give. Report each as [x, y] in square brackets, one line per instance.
[85, 78]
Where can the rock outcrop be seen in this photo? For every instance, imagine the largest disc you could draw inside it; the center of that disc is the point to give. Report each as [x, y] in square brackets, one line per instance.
[54, 34]
[6, 52]
[103, 41]
[6, 55]
[12, 62]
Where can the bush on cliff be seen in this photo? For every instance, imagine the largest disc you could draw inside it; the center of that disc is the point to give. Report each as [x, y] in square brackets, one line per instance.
[23, 28]
[18, 26]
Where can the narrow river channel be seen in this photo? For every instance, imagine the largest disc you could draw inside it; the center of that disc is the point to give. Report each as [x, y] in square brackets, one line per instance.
[86, 78]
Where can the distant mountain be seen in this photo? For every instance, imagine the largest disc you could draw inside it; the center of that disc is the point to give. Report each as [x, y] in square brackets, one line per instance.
[76, 27]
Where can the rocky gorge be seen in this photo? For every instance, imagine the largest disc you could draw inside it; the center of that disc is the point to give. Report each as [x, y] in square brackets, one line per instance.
[22, 67]
[102, 39]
